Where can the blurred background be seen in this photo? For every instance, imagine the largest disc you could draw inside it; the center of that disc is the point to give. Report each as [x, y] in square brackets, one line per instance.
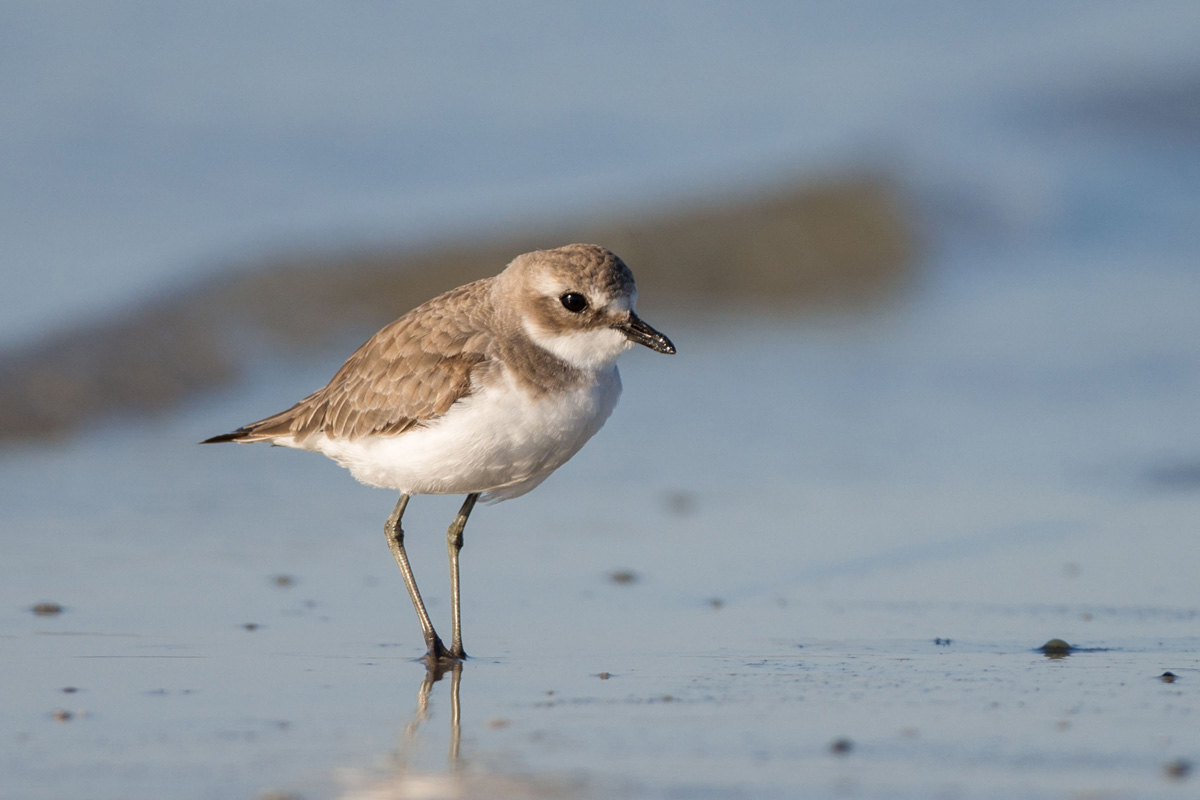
[296, 166]
[933, 270]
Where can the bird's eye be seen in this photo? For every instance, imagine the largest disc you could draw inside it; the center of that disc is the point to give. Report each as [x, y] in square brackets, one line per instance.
[574, 302]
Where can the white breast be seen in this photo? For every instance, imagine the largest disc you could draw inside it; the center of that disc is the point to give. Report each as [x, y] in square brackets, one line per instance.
[501, 440]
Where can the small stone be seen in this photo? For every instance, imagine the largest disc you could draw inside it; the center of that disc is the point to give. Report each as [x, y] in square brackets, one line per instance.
[283, 581]
[942, 642]
[604, 676]
[69, 690]
[1056, 648]
[1168, 677]
[1178, 769]
[623, 577]
[841, 746]
[716, 603]
[251, 626]
[47, 609]
[497, 723]
[61, 715]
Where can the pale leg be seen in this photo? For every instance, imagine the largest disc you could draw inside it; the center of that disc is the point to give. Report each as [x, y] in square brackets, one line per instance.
[454, 542]
[395, 539]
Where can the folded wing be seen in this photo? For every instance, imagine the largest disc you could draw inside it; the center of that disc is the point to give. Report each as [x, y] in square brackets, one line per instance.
[409, 373]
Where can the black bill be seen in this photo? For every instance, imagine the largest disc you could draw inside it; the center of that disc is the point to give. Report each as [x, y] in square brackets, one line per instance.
[641, 333]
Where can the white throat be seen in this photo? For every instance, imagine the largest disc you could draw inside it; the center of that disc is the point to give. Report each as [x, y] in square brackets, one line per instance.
[590, 350]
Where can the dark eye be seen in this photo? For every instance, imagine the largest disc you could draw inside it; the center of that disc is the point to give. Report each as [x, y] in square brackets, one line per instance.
[574, 302]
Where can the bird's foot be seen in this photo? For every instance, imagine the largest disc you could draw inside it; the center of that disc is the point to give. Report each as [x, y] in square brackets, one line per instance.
[439, 656]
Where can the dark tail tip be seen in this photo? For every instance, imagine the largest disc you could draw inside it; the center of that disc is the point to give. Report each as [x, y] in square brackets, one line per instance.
[227, 437]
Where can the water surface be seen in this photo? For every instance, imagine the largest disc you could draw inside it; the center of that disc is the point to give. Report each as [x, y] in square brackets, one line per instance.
[838, 528]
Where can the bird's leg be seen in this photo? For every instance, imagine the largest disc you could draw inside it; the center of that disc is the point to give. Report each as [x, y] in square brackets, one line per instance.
[395, 539]
[454, 542]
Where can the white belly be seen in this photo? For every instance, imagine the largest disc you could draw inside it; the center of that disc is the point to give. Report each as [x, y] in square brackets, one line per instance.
[500, 440]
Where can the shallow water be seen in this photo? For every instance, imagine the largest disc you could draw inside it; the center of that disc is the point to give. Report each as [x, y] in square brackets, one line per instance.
[841, 538]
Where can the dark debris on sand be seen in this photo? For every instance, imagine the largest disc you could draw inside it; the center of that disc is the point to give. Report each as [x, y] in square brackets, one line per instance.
[46, 609]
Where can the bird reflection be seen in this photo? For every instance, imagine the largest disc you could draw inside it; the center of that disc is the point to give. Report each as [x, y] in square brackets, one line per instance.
[435, 671]
[407, 777]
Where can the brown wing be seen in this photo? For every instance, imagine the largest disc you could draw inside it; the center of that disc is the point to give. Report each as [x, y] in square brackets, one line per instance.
[413, 370]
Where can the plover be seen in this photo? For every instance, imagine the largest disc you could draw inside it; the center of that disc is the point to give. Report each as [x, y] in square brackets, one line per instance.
[484, 391]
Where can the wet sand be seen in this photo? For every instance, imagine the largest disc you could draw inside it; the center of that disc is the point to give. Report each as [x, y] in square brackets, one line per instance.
[827, 573]
[934, 538]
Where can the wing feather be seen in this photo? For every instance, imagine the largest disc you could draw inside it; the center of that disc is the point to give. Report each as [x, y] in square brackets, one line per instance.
[411, 371]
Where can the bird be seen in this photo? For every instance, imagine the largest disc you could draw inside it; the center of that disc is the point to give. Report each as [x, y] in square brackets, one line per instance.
[483, 391]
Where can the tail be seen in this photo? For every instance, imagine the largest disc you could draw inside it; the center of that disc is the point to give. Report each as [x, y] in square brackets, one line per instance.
[265, 429]
[236, 436]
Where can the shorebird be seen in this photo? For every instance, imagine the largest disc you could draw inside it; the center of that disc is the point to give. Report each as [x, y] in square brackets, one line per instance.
[484, 391]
